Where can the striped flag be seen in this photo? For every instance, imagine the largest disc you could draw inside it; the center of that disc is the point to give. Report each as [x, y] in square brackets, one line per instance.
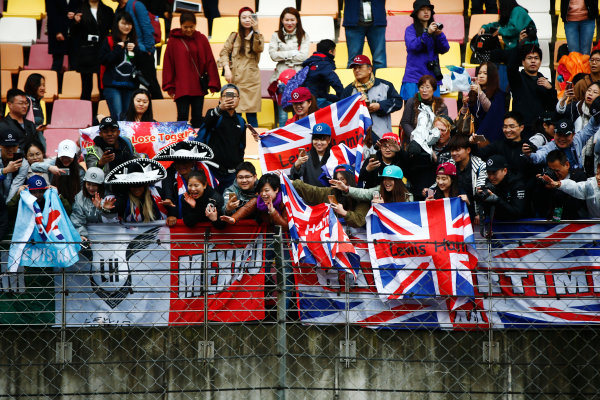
[318, 237]
[212, 181]
[342, 154]
[348, 120]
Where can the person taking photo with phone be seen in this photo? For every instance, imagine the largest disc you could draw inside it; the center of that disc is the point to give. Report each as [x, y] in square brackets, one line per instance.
[110, 148]
[13, 166]
[307, 166]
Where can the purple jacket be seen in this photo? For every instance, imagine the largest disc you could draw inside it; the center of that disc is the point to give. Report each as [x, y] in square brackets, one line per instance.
[421, 50]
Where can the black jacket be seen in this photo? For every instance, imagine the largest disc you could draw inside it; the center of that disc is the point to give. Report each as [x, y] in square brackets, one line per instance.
[321, 75]
[228, 141]
[59, 23]
[87, 60]
[27, 133]
[113, 58]
[512, 199]
[372, 179]
[545, 200]
[193, 216]
[510, 150]
[591, 5]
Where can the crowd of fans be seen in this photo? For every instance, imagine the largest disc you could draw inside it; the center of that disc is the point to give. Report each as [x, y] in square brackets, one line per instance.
[510, 154]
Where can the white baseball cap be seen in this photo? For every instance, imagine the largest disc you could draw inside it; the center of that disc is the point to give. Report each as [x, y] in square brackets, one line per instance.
[67, 148]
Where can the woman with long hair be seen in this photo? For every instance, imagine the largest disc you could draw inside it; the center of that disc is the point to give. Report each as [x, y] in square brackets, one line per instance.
[391, 190]
[308, 165]
[140, 107]
[35, 89]
[425, 41]
[239, 59]
[288, 47]
[425, 96]
[303, 104]
[512, 22]
[117, 56]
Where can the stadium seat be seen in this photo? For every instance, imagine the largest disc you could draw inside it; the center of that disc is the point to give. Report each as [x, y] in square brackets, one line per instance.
[560, 30]
[341, 54]
[543, 23]
[452, 107]
[43, 34]
[342, 35]
[328, 8]
[164, 110]
[51, 82]
[269, 25]
[448, 6]
[55, 136]
[546, 55]
[231, 8]
[399, 6]
[5, 83]
[222, 27]
[557, 45]
[216, 50]
[22, 31]
[536, 6]
[266, 116]
[161, 61]
[396, 54]
[256, 164]
[159, 77]
[274, 7]
[40, 59]
[162, 33]
[346, 77]
[265, 77]
[477, 21]
[266, 62]
[452, 57]
[103, 108]
[208, 104]
[251, 150]
[25, 9]
[74, 114]
[71, 86]
[396, 25]
[201, 23]
[11, 57]
[319, 28]
[393, 75]
[454, 26]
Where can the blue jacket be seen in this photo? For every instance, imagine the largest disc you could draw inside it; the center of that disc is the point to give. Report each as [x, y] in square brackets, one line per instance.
[321, 76]
[489, 123]
[420, 50]
[142, 25]
[377, 8]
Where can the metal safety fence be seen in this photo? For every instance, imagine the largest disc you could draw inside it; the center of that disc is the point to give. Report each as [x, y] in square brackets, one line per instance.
[153, 313]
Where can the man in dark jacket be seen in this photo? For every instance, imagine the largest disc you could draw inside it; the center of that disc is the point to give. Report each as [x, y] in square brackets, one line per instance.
[60, 19]
[16, 122]
[321, 74]
[389, 153]
[532, 92]
[508, 199]
[110, 149]
[380, 95]
[366, 19]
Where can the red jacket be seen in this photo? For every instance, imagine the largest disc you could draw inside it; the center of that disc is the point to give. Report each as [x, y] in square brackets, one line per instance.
[179, 74]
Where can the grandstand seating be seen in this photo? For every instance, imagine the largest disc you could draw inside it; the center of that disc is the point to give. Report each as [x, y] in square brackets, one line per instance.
[477, 21]
[55, 136]
[454, 26]
[222, 27]
[51, 82]
[266, 116]
[341, 54]
[319, 28]
[25, 9]
[40, 59]
[71, 86]
[536, 6]
[43, 34]
[543, 23]
[71, 114]
[274, 7]
[201, 23]
[265, 77]
[327, 8]
[21, 31]
[5, 83]
[265, 61]
[11, 57]
[164, 110]
[231, 8]
[103, 108]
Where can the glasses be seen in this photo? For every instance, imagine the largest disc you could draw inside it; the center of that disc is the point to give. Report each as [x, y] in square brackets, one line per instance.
[510, 126]
[245, 177]
[532, 58]
[594, 60]
[21, 103]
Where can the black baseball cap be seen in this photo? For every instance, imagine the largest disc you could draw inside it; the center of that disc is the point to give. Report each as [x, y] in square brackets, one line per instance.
[564, 127]
[495, 163]
[108, 122]
[9, 138]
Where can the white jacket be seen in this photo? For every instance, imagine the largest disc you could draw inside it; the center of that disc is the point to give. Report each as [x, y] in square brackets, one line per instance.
[586, 190]
[287, 54]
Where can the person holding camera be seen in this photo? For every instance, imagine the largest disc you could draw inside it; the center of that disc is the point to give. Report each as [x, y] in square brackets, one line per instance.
[425, 41]
[389, 153]
[118, 57]
[91, 26]
[504, 194]
[308, 164]
[201, 203]
[514, 25]
[110, 148]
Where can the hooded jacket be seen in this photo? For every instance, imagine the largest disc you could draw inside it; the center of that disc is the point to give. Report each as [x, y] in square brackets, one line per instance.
[321, 76]
[421, 50]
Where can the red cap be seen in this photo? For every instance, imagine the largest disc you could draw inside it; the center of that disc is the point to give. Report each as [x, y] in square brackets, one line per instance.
[449, 169]
[390, 136]
[286, 75]
[360, 59]
[245, 9]
[300, 94]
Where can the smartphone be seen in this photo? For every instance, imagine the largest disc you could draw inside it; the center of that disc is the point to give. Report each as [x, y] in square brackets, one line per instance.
[302, 151]
[569, 85]
[430, 192]
[252, 129]
[65, 171]
[109, 150]
[229, 94]
[233, 197]
[332, 199]
[254, 17]
[479, 138]
[226, 197]
[17, 156]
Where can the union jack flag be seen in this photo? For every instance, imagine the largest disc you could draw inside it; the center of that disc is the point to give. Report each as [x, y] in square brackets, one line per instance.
[342, 154]
[348, 120]
[422, 249]
[317, 235]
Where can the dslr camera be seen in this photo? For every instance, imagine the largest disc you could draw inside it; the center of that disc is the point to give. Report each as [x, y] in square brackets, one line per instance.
[481, 196]
[434, 67]
[93, 38]
[531, 32]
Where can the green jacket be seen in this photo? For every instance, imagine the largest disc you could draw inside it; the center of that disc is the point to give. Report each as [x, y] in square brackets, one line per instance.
[519, 20]
[316, 195]
[367, 194]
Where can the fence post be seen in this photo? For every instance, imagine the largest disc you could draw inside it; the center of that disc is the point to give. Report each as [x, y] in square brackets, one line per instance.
[281, 312]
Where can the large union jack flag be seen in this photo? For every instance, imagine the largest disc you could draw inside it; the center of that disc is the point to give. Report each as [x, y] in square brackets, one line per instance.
[422, 250]
[317, 235]
[348, 119]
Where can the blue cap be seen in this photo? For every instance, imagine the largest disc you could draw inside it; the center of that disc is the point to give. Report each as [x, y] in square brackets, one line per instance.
[343, 167]
[322, 129]
[36, 182]
[392, 171]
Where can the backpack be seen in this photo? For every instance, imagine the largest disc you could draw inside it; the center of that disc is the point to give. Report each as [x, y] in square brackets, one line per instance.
[203, 134]
[154, 21]
[482, 46]
[294, 82]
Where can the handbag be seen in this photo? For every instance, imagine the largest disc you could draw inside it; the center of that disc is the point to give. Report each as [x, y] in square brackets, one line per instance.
[203, 77]
[465, 125]
[482, 46]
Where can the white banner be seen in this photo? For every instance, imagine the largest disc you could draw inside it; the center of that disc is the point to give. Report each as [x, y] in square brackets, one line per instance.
[123, 279]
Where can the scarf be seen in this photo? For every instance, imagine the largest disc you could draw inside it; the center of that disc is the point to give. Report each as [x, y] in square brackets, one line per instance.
[260, 204]
[364, 87]
[137, 213]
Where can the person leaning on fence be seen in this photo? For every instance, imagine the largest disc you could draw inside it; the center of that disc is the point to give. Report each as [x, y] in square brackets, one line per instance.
[308, 165]
[380, 95]
[588, 190]
[242, 190]
[12, 171]
[201, 203]
[110, 148]
[267, 207]
[391, 190]
[352, 211]
[91, 207]
[389, 153]
[186, 156]
[446, 184]
[37, 186]
[140, 200]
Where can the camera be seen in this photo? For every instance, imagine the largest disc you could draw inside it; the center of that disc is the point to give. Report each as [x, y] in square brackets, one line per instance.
[481, 196]
[93, 38]
[531, 32]
[440, 26]
[434, 67]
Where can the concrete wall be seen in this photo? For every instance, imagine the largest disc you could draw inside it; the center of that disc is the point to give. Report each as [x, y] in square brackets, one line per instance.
[163, 363]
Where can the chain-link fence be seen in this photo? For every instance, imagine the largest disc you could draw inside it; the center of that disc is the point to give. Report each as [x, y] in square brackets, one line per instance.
[153, 313]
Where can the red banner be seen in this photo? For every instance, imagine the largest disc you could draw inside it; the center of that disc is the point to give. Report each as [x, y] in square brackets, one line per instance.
[233, 282]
